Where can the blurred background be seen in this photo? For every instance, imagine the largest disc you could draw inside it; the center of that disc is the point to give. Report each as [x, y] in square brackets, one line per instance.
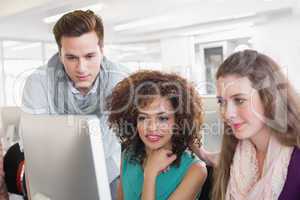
[190, 37]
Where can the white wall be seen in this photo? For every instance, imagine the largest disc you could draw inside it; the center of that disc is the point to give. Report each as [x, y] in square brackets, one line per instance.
[277, 36]
[177, 51]
[178, 55]
[280, 38]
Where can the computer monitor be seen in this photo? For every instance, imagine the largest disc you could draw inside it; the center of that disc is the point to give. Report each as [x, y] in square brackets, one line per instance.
[64, 157]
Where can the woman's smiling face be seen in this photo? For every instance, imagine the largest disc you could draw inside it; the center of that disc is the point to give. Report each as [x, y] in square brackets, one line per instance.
[155, 124]
[241, 106]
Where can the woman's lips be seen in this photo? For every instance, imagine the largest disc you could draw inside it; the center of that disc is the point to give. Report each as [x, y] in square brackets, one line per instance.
[237, 126]
[153, 137]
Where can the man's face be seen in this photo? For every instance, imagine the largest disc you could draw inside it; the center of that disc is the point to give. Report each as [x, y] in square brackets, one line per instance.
[81, 57]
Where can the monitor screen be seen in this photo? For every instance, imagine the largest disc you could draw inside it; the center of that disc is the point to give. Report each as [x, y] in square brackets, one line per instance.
[64, 157]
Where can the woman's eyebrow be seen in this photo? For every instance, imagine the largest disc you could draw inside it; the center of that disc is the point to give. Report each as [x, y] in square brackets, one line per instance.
[158, 113]
[232, 96]
[238, 95]
[142, 113]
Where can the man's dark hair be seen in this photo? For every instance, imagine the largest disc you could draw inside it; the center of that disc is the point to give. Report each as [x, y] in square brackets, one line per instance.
[76, 23]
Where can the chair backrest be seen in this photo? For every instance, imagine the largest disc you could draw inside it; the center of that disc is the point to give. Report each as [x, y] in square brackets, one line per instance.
[10, 119]
[10, 116]
[207, 186]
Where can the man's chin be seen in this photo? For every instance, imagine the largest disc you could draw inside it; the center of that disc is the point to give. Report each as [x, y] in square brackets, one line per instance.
[83, 87]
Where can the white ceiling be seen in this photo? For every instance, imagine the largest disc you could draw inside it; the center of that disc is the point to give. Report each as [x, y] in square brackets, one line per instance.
[23, 19]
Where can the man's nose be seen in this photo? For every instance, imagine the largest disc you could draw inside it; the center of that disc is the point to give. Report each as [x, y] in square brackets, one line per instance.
[82, 65]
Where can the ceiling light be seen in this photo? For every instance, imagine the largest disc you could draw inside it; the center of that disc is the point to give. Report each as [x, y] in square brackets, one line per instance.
[126, 47]
[142, 22]
[218, 28]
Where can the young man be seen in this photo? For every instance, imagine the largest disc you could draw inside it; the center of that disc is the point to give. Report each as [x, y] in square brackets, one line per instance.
[77, 79]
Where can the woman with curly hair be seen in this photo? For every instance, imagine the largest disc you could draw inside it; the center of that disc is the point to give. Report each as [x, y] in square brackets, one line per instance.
[260, 156]
[156, 115]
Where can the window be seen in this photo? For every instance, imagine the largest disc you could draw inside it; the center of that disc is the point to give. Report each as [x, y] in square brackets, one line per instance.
[16, 72]
[19, 59]
[208, 58]
[213, 57]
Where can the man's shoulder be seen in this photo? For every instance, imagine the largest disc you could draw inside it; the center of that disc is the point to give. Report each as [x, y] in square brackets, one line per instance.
[39, 74]
[39, 79]
[40, 70]
[45, 71]
[113, 72]
[111, 66]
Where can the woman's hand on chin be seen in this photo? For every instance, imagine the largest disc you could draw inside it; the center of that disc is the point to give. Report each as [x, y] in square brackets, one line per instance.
[158, 161]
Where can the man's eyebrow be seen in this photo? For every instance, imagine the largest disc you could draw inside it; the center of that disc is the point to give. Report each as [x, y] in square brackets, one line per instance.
[70, 55]
[90, 53]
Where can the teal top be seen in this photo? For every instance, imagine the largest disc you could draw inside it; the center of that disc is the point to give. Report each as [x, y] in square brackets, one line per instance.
[166, 183]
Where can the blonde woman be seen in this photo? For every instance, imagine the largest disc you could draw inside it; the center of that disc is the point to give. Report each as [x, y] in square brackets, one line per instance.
[260, 156]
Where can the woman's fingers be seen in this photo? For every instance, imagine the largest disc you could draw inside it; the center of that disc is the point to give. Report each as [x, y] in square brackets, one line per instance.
[171, 158]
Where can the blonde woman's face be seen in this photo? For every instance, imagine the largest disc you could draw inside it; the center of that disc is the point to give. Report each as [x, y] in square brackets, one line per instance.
[240, 106]
[155, 124]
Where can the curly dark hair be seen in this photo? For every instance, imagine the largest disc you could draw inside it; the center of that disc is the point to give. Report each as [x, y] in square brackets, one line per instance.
[139, 90]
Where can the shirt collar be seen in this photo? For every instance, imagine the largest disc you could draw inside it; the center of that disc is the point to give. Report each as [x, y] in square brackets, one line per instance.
[77, 92]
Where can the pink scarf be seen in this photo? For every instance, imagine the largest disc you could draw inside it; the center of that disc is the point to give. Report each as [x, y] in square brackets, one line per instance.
[244, 182]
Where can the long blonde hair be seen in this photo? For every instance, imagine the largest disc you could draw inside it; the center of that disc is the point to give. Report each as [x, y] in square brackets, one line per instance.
[280, 101]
